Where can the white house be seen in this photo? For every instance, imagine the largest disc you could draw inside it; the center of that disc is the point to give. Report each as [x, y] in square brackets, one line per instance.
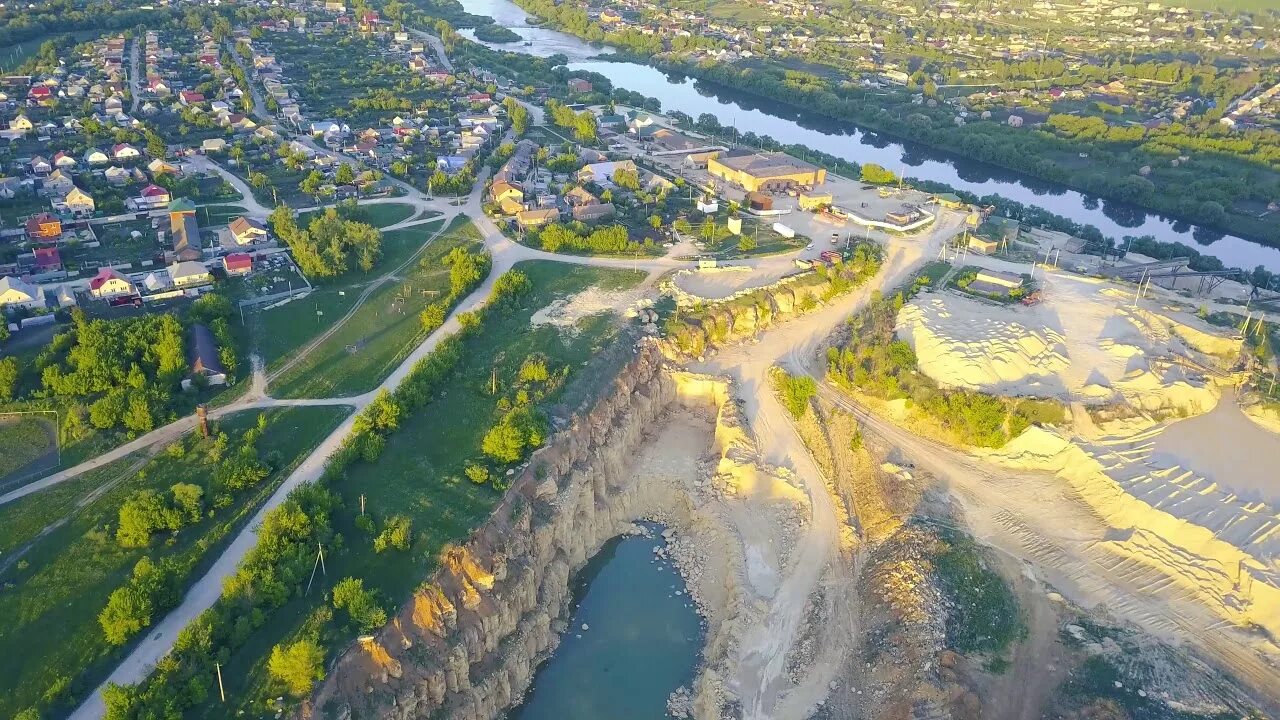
[110, 283]
[17, 293]
[189, 273]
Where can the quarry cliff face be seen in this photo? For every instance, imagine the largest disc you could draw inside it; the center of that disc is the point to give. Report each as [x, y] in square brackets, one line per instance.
[466, 644]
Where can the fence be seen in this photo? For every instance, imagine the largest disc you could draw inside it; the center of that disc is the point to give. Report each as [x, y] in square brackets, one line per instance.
[268, 299]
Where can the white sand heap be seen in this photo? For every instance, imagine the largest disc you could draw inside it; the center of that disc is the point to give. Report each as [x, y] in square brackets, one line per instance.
[1084, 342]
[1195, 533]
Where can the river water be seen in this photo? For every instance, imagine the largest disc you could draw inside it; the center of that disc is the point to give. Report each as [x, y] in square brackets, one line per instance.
[641, 643]
[788, 125]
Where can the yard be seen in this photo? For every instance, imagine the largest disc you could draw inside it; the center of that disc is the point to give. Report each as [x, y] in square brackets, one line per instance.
[377, 336]
[420, 473]
[62, 581]
[118, 244]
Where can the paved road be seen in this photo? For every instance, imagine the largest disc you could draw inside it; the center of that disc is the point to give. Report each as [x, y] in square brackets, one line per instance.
[260, 110]
[248, 201]
[135, 68]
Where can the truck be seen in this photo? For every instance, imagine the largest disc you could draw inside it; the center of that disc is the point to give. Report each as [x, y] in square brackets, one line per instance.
[783, 230]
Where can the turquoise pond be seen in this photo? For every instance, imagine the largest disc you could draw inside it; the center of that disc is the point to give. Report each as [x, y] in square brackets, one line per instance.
[643, 641]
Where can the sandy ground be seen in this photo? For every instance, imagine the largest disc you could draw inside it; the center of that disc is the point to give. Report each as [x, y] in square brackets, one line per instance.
[1086, 341]
[1228, 448]
[566, 312]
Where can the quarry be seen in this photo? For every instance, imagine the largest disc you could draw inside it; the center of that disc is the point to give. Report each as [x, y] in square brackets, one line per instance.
[849, 562]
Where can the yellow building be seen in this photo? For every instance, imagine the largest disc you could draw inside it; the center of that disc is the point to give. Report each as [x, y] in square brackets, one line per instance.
[756, 171]
[814, 201]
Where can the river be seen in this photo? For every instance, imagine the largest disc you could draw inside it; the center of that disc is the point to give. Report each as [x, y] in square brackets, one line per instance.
[641, 642]
[786, 124]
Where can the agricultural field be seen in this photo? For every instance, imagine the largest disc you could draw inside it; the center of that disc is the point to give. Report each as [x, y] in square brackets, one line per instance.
[66, 549]
[420, 474]
[379, 333]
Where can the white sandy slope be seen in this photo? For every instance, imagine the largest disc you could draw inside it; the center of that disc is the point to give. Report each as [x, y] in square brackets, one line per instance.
[1085, 342]
[1203, 537]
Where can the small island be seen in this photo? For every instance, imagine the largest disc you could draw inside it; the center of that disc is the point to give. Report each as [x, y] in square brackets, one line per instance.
[493, 33]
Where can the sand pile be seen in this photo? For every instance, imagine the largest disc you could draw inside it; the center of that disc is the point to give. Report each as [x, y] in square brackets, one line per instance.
[1197, 533]
[1084, 342]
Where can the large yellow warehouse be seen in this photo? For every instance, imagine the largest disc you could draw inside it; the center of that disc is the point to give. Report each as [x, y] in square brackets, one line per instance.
[764, 170]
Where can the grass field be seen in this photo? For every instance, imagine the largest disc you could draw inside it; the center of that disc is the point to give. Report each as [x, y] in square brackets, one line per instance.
[420, 473]
[379, 215]
[381, 332]
[213, 215]
[25, 440]
[52, 650]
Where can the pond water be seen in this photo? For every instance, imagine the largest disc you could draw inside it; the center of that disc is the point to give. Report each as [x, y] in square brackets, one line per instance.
[643, 640]
[786, 124]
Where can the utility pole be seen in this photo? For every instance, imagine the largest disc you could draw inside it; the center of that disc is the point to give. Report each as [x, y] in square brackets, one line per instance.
[362, 503]
[319, 564]
[222, 692]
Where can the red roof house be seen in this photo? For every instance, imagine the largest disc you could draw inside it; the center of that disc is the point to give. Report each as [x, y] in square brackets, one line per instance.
[44, 228]
[48, 259]
[187, 97]
[40, 92]
[237, 263]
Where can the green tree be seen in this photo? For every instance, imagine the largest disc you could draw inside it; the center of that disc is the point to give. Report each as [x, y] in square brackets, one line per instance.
[128, 611]
[397, 534]
[8, 378]
[345, 175]
[297, 665]
[361, 605]
[189, 500]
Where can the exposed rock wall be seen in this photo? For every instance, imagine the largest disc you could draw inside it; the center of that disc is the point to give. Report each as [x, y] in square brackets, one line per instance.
[466, 645]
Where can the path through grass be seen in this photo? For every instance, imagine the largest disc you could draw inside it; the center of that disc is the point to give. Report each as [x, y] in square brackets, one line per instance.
[52, 650]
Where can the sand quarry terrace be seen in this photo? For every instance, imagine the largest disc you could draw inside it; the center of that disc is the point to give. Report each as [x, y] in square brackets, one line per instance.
[1085, 342]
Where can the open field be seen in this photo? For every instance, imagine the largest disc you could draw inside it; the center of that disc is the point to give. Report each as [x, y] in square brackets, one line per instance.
[25, 439]
[213, 215]
[420, 473]
[65, 575]
[381, 332]
[380, 215]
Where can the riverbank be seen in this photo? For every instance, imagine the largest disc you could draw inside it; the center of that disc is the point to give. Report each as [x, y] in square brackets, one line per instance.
[753, 113]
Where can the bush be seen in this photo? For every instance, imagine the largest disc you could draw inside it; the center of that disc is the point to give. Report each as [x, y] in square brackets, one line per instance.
[396, 534]
[297, 665]
[795, 391]
[476, 473]
[361, 605]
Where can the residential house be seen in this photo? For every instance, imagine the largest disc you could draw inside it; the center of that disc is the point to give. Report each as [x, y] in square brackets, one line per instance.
[507, 195]
[580, 197]
[117, 176]
[157, 280]
[40, 166]
[152, 197]
[189, 98]
[189, 273]
[579, 85]
[94, 156]
[44, 228]
[124, 151]
[186, 232]
[602, 173]
[64, 161]
[17, 293]
[78, 202]
[66, 296]
[21, 124]
[246, 232]
[451, 163]
[47, 259]
[202, 356]
[160, 167]
[536, 218]
[237, 264]
[58, 183]
[111, 283]
[594, 213]
[210, 145]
